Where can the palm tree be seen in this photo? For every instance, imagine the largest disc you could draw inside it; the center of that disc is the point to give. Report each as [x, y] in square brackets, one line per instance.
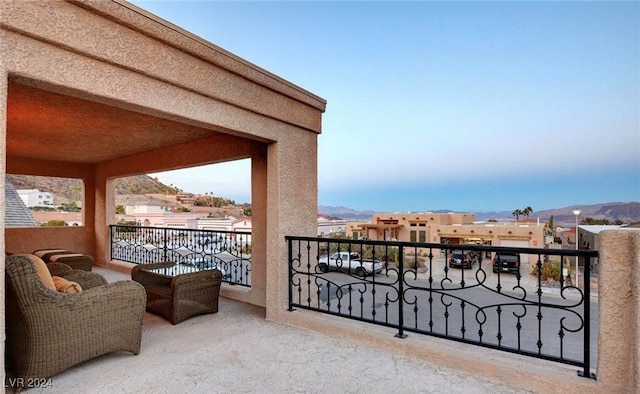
[527, 211]
[517, 214]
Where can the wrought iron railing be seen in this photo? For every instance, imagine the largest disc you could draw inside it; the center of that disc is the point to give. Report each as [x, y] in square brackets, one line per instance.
[228, 251]
[529, 304]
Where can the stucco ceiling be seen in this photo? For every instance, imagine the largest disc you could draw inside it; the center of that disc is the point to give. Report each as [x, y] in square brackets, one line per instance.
[47, 125]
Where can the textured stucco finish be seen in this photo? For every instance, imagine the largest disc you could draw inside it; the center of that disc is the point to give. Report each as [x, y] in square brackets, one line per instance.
[176, 101]
[137, 41]
[3, 170]
[294, 191]
[132, 94]
[619, 310]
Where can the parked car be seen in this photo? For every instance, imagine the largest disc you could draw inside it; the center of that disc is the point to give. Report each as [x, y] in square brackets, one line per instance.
[506, 261]
[461, 259]
[345, 261]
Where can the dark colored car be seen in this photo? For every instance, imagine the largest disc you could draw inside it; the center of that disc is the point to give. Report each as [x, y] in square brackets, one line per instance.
[460, 259]
[506, 262]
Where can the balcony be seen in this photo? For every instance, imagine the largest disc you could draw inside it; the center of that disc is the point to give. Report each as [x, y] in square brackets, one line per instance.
[127, 114]
[237, 350]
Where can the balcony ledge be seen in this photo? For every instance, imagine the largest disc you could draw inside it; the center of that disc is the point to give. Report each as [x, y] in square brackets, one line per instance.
[238, 350]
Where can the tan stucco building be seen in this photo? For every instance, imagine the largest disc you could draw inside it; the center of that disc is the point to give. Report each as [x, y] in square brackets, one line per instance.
[449, 228]
[97, 90]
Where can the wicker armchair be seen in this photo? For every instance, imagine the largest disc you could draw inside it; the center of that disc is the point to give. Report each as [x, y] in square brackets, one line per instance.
[48, 332]
[86, 279]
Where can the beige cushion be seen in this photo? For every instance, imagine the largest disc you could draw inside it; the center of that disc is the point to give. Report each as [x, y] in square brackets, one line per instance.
[43, 271]
[66, 286]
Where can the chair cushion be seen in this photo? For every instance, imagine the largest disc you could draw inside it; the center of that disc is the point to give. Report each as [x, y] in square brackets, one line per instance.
[43, 271]
[66, 286]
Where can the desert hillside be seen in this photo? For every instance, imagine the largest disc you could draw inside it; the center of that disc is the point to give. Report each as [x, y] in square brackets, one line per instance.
[66, 189]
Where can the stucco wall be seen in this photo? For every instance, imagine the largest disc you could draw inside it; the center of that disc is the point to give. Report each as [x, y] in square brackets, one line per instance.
[291, 209]
[137, 41]
[79, 239]
[3, 170]
[619, 310]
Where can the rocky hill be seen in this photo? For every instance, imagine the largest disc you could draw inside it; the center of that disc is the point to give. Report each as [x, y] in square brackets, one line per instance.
[67, 189]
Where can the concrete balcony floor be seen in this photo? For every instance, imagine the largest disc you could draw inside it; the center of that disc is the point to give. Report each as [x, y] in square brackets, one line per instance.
[238, 351]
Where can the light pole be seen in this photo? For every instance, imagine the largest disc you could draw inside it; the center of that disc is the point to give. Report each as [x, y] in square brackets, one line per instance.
[577, 213]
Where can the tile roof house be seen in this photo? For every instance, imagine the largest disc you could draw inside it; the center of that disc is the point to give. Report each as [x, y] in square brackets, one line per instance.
[16, 213]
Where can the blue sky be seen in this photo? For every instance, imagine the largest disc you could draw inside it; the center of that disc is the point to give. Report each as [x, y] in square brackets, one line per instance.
[468, 106]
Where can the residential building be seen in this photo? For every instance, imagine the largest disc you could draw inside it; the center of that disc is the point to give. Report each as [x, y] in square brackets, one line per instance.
[36, 198]
[216, 224]
[449, 228]
[135, 204]
[69, 218]
[332, 227]
[179, 101]
[589, 239]
[149, 212]
[16, 213]
[242, 224]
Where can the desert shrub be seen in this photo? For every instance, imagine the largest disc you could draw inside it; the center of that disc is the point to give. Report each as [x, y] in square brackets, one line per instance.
[550, 270]
[56, 223]
[414, 262]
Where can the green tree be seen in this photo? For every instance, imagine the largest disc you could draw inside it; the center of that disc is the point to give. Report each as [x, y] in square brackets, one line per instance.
[527, 211]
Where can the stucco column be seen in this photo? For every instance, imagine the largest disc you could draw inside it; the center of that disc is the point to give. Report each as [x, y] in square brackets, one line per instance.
[259, 234]
[105, 207]
[292, 206]
[618, 310]
[89, 208]
[259, 228]
[3, 170]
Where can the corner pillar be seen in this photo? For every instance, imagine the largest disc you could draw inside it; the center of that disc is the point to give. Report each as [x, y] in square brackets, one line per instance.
[292, 209]
[619, 311]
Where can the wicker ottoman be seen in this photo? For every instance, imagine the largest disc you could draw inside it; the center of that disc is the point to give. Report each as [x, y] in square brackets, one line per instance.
[72, 259]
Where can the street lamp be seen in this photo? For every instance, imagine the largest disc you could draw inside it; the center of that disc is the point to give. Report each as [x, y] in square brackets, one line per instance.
[577, 213]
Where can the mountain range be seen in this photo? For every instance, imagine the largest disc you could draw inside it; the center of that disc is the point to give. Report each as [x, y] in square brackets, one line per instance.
[64, 190]
[628, 212]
